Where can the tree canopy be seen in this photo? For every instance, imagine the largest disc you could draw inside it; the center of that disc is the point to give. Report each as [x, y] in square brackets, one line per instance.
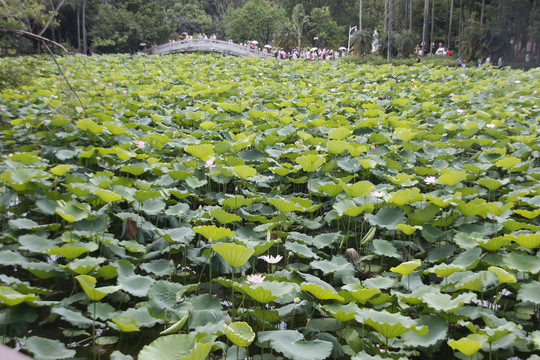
[472, 28]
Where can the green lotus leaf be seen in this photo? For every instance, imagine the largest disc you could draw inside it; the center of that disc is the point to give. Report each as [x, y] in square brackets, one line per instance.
[47, 349]
[336, 147]
[292, 345]
[406, 268]
[8, 257]
[68, 251]
[84, 265]
[536, 338]
[522, 262]
[468, 345]
[176, 327]
[88, 283]
[244, 171]
[360, 188]
[268, 291]
[387, 217]
[507, 162]
[126, 323]
[444, 302]
[452, 177]
[108, 196]
[286, 206]
[212, 232]
[405, 196]
[503, 275]
[12, 297]
[234, 254]
[339, 133]
[442, 202]
[530, 292]
[529, 241]
[359, 293]
[494, 243]
[445, 270]
[131, 283]
[528, 214]
[202, 151]
[236, 202]
[321, 293]
[43, 270]
[348, 207]
[338, 264]
[491, 184]
[342, 312]
[330, 189]
[438, 329]
[224, 217]
[90, 125]
[133, 246]
[168, 347]
[407, 229]
[389, 325]
[239, 333]
[61, 170]
[182, 235]
[301, 250]
[384, 247]
[310, 163]
[73, 212]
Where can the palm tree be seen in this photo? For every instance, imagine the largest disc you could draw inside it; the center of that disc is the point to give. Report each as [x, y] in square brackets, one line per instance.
[406, 41]
[299, 18]
[286, 36]
[361, 42]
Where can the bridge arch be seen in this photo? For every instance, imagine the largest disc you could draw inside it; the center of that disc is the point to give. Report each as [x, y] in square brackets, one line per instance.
[207, 45]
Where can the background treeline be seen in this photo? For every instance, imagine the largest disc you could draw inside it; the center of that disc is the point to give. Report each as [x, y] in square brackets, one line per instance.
[473, 28]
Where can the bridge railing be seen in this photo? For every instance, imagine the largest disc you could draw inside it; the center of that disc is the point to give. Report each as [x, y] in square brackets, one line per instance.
[202, 44]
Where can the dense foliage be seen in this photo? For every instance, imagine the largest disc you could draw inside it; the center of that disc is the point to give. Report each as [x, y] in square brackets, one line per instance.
[397, 208]
[474, 28]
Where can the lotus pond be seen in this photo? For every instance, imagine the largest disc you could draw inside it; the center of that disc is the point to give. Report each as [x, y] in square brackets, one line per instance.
[195, 206]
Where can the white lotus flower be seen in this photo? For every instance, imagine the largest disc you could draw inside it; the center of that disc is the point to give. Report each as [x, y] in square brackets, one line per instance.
[270, 259]
[430, 180]
[378, 194]
[255, 279]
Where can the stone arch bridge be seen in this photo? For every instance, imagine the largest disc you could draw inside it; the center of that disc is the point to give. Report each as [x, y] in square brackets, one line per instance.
[206, 45]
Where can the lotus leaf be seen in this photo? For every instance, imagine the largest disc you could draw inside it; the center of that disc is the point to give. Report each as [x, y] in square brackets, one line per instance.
[361, 188]
[291, 344]
[168, 347]
[212, 232]
[405, 196]
[235, 255]
[444, 302]
[359, 293]
[126, 323]
[503, 275]
[529, 241]
[224, 217]
[310, 163]
[176, 327]
[530, 292]
[387, 217]
[47, 349]
[406, 268]
[88, 283]
[12, 297]
[239, 333]
[202, 151]
[341, 312]
[468, 345]
[387, 324]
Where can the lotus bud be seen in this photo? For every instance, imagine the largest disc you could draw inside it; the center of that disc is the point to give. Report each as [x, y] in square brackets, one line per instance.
[352, 255]
[244, 273]
[200, 207]
[171, 262]
[210, 240]
[189, 309]
[227, 319]
[372, 147]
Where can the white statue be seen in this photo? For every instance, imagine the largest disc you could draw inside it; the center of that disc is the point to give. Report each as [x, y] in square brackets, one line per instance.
[375, 42]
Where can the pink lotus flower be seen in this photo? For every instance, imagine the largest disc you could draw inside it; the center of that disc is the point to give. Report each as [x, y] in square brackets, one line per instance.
[255, 279]
[430, 180]
[372, 147]
[270, 259]
[209, 164]
[141, 144]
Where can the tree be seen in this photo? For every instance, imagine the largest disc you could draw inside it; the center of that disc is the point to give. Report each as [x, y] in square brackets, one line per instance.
[389, 50]
[361, 42]
[256, 20]
[425, 27]
[298, 20]
[449, 41]
[285, 36]
[325, 28]
[406, 42]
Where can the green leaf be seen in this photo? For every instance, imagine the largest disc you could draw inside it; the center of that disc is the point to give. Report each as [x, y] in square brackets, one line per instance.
[73, 212]
[387, 324]
[244, 171]
[224, 217]
[406, 268]
[405, 196]
[452, 177]
[239, 333]
[88, 283]
[126, 323]
[168, 347]
[108, 196]
[202, 151]
[468, 345]
[360, 188]
[342, 312]
[530, 292]
[503, 275]
[11, 297]
[445, 303]
[310, 163]
[235, 255]
[61, 170]
[212, 232]
[359, 293]
[508, 162]
[292, 345]
[387, 217]
[47, 349]
[90, 125]
[176, 327]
